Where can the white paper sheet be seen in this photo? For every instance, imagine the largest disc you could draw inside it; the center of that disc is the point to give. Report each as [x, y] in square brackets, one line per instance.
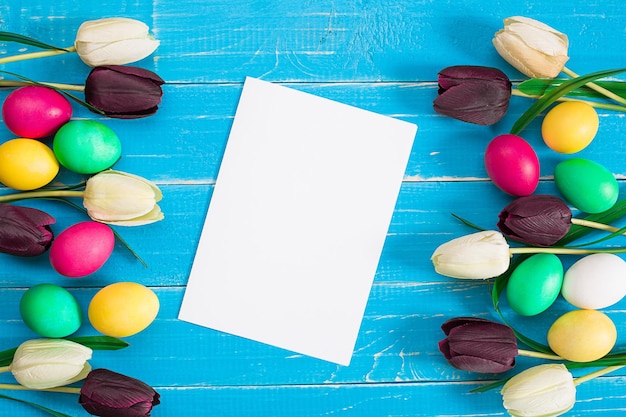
[297, 221]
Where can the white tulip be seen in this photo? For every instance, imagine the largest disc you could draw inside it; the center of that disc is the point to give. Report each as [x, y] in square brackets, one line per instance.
[114, 41]
[534, 48]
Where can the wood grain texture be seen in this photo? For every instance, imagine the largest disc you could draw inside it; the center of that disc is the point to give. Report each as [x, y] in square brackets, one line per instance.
[378, 55]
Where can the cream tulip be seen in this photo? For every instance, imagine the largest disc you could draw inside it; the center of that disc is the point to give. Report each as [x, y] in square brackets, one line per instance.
[541, 391]
[114, 41]
[48, 363]
[534, 48]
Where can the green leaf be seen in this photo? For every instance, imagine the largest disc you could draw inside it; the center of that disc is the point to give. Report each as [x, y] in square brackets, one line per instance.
[541, 86]
[545, 101]
[100, 342]
[25, 40]
[41, 407]
[6, 357]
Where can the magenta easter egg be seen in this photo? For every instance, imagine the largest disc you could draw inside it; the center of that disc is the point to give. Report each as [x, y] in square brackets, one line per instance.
[35, 112]
[81, 249]
[512, 165]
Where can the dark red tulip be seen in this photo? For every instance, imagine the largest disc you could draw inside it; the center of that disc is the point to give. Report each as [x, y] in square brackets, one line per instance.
[473, 94]
[24, 231]
[538, 220]
[124, 92]
[478, 345]
[108, 394]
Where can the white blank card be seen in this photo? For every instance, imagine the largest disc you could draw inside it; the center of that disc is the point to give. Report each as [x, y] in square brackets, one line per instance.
[297, 221]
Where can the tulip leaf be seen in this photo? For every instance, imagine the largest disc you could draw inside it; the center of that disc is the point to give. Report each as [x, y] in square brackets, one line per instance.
[541, 86]
[545, 101]
[25, 40]
[100, 342]
[41, 407]
[6, 357]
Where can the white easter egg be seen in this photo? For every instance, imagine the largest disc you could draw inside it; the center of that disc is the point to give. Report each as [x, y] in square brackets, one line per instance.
[595, 281]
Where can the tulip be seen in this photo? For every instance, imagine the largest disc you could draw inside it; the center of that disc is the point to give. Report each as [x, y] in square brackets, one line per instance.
[486, 254]
[122, 199]
[114, 41]
[473, 94]
[534, 48]
[124, 92]
[109, 394]
[541, 220]
[47, 363]
[478, 345]
[24, 231]
[541, 391]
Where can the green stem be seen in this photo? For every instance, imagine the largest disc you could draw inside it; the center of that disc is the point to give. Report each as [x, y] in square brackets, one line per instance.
[564, 251]
[35, 55]
[39, 194]
[17, 387]
[597, 104]
[595, 225]
[596, 374]
[60, 86]
[596, 87]
[539, 355]
[4, 369]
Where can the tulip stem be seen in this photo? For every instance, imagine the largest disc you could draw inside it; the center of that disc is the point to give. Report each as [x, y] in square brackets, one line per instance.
[564, 251]
[34, 55]
[69, 87]
[17, 387]
[606, 106]
[596, 87]
[40, 194]
[4, 369]
[595, 225]
[539, 355]
[596, 374]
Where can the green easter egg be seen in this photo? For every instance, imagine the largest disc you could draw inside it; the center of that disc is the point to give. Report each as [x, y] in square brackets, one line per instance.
[587, 185]
[50, 311]
[535, 284]
[86, 146]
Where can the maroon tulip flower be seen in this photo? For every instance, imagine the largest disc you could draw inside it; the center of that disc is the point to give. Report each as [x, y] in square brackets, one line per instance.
[473, 94]
[24, 231]
[124, 92]
[478, 345]
[108, 394]
[539, 220]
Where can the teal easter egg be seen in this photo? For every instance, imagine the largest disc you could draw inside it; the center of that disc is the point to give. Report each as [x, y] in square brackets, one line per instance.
[86, 146]
[587, 185]
[535, 284]
[50, 310]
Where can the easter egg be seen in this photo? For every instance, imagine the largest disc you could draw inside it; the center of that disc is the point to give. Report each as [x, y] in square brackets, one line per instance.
[123, 309]
[512, 165]
[570, 127]
[26, 164]
[35, 111]
[81, 249]
[535, 284]
[582, 335]
[595, 281]
[86, 146]
[50, 311]
[587, 185]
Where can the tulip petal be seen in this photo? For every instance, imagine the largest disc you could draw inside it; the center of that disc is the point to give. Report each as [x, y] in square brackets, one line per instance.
[24, 231]
[474, 102]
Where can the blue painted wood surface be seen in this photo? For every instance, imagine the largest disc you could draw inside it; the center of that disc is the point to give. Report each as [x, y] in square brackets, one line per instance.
[378, 55]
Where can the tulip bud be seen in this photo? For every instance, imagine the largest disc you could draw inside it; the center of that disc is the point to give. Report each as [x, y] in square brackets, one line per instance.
[24, 231]
[113, 41]
[109, 394]
[479, 255]
[473, 94]
[48, 363]
[124, 92]
[534, 48]
[478, 345]
[122, 199]
[540, 391]
[539, 220]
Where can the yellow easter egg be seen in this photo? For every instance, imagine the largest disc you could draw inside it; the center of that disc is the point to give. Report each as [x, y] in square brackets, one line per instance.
[123, 309]
[570, 127]
[27, 164]
[582, 335]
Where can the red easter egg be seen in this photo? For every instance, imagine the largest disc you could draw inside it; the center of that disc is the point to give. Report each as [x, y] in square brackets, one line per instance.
[512, 165]
[35, 112]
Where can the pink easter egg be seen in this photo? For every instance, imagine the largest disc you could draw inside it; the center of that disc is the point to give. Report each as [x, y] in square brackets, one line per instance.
[35, 112]
[81, 249]
[512, 165]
